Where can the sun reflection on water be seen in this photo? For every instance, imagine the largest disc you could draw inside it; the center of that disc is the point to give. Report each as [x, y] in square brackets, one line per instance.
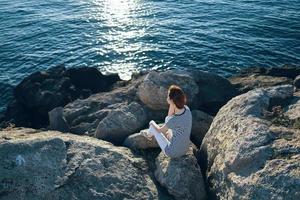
[119, 29]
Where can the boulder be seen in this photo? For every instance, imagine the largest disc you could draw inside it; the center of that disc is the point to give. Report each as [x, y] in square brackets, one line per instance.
[42, 91]
[244, 156]
[154, 89]
[84, 115]
[205, 91]
[50, 165]
[140, 141]
[181, 176]
[285, 71]
[121, 122]
[297, 82]
[200, 125]
[91, 78]
[293, 110]
[254, 81]
[15, 113]
[57, 121]
[288, 71]
[6, 93]
[214, 91]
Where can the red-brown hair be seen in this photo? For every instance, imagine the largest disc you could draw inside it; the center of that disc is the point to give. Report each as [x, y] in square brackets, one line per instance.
[177, 95]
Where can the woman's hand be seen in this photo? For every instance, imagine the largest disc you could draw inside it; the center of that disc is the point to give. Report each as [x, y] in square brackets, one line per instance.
[168, 135]
[152, 122]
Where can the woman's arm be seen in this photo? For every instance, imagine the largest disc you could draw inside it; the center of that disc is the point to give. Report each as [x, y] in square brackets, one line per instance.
[171, 110]
[163, 129]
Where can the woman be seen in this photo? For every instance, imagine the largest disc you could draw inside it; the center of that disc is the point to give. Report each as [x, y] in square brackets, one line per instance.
[179, 120]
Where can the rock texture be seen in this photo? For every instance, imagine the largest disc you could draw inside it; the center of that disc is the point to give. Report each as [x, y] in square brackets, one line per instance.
[109, 115]
[52, 165]
[123, 111]
[153, 90]
[288, 71]
[140, 141]
[6, 93]
[181, 176]
[42, 91]
[253, 81]
[214, 91]
[200, 125]
[121, 122]
[244, 156]
[297, 82]
[260, 77]
[293, 110]
[57, 120]
[205, 91]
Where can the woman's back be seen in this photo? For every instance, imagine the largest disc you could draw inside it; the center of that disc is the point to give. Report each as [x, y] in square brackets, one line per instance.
[181, 126]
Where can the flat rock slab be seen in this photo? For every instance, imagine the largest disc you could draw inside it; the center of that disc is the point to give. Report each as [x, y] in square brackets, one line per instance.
[50, 165]
[250, 82]
[140, 141]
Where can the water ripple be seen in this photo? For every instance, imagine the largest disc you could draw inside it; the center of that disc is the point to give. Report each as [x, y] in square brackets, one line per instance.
[125, 36]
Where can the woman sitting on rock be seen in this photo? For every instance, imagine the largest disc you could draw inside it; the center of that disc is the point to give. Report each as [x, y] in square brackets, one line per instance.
[179, 120]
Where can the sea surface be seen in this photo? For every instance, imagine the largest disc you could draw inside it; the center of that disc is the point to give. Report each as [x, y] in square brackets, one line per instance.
[125, 36]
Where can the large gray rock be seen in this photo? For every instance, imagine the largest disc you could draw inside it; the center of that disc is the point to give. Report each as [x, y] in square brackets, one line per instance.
[205, 91]
[200, 125]
[181, 176]
[121, 122]
[52, 165]
[154, 89]
[245, 157]
[84, 115]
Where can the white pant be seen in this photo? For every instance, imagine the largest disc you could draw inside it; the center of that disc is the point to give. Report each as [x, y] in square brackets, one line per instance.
[160, 138]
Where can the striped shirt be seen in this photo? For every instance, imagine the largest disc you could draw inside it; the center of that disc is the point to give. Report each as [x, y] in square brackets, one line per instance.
[181, 126]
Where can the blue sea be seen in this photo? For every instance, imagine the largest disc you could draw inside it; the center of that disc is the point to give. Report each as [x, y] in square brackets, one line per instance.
[125, 36]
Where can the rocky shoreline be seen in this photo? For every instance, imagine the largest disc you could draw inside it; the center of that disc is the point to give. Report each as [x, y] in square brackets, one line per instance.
[87, 131]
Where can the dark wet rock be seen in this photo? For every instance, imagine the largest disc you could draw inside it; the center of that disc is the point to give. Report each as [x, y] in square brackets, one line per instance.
[6, 94]
[181, 176]
[91, 78]
[17, 114]
[254, 81]
[214, 91]
[57, 120]
[42, 91]
[50, 165]
[200, 125]
[244, 155]
[287, 71]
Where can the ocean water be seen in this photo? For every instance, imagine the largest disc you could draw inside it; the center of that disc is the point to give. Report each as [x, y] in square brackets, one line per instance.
[124, 36]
